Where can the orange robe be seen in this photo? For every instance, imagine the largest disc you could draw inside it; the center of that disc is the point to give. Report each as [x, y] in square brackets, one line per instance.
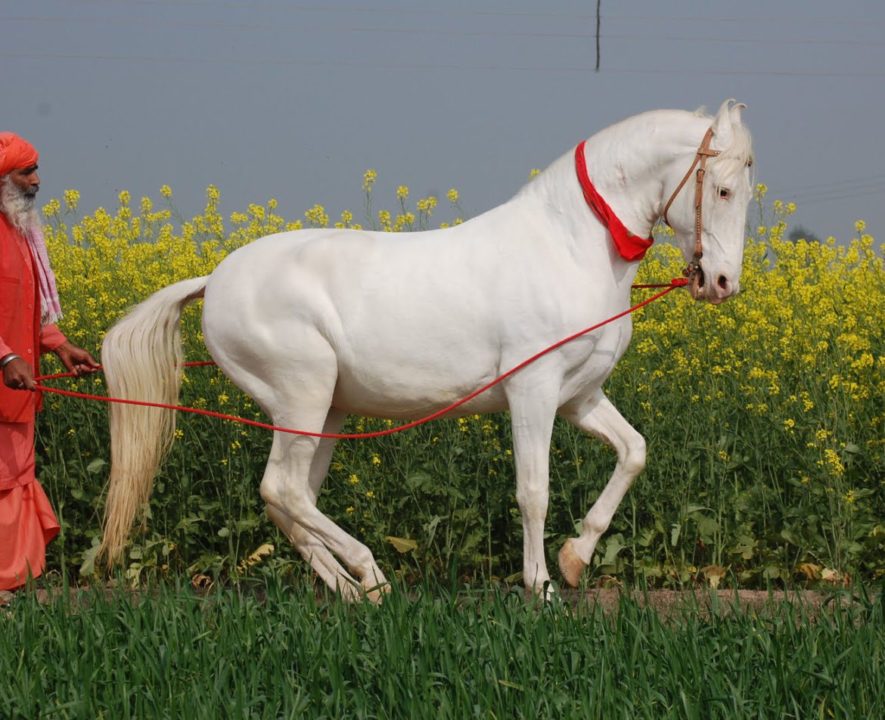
[27, 521]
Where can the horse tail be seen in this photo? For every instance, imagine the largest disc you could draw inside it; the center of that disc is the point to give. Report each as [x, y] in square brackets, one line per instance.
[142, 360]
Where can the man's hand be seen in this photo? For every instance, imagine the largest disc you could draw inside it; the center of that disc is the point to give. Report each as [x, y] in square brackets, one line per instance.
[19, 375]
[76, 359]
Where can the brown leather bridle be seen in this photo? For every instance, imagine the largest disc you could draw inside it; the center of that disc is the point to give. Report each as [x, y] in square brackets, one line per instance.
[700, 161]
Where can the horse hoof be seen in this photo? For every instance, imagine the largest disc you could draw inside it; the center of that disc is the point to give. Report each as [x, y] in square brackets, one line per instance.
[375, 593]
[570, 565]
[349, 591]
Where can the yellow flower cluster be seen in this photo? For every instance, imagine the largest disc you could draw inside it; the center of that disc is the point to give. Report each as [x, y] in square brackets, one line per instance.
[799, 353]
[803, 335]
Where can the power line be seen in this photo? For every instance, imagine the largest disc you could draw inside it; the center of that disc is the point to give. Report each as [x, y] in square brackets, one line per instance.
[839, 190]
[812, 202]
[140, 22]
[850, 181]
[860, 191]
[407, 9]
[498, 67]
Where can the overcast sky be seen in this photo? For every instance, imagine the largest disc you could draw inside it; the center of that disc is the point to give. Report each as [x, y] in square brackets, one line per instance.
[294, 100]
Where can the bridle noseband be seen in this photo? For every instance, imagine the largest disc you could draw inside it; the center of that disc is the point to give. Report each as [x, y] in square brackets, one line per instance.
[700, 161]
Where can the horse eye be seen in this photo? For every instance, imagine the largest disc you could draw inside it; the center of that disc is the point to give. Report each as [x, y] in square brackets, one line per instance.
[724, 193]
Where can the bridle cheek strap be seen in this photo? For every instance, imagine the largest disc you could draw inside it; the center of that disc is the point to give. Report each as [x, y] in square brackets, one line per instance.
[700, 162]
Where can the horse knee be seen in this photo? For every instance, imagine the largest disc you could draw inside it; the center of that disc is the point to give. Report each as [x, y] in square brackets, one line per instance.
[633, 461]
[532, 502]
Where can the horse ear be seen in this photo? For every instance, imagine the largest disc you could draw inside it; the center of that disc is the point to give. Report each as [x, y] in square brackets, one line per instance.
[722, 124]
[735, 113]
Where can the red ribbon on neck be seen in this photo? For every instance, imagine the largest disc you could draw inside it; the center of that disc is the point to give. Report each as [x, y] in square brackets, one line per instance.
[630, 247]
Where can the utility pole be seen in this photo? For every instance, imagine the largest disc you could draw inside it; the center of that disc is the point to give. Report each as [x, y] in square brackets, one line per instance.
[598, 5]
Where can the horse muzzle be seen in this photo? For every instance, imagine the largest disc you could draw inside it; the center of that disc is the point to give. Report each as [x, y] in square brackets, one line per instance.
[714, 292]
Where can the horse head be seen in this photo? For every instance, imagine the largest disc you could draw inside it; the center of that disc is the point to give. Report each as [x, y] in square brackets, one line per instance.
[708, 208]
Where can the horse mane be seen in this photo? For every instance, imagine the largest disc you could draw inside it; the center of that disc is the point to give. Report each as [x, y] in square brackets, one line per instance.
[731, 160]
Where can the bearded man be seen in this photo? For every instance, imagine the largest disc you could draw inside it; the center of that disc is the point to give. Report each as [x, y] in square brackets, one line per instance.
[29, 308]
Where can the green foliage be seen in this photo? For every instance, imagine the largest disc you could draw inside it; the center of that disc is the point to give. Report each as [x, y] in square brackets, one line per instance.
[763, 417]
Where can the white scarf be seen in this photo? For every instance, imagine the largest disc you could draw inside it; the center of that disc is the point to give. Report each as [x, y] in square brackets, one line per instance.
[49, 302]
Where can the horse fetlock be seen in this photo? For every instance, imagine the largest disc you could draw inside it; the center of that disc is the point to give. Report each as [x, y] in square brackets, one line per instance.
[570, 563]
[375, 592]
[348, 589]
[362, 562]
[545, 592]
[535, 577]
[594, 528]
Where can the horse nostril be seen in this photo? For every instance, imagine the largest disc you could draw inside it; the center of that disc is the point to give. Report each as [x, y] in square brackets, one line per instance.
[723, 282]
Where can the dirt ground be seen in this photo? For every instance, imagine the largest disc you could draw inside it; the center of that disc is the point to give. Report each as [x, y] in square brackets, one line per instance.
[671, 603]
[668, 603]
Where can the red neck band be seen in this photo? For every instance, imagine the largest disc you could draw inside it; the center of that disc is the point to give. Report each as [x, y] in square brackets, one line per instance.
[630, 247]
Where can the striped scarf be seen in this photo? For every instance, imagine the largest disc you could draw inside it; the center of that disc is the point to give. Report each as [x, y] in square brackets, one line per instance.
[49, 302]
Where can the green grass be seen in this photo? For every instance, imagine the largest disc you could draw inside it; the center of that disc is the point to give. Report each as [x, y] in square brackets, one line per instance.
[274, 651]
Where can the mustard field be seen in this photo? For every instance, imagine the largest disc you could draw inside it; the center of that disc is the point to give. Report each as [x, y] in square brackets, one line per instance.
[764, 419]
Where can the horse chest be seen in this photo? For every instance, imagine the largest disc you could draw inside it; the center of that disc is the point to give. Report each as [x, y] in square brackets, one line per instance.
[592, 361]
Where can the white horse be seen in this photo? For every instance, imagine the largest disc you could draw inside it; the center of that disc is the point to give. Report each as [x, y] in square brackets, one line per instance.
[320, 324]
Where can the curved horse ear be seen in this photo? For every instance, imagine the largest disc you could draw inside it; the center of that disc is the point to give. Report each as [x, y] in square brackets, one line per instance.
[723, 123]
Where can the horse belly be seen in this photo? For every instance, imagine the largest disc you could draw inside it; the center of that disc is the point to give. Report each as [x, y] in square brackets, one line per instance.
[403, 388]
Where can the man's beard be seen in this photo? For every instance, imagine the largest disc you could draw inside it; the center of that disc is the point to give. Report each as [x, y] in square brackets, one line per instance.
[21, 209]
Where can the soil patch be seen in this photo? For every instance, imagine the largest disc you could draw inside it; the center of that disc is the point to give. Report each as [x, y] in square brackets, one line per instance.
[669, 604]
[674, 603]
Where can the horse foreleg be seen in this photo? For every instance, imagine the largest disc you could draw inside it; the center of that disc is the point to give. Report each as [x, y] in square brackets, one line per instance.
[598, 417]
[532, 424]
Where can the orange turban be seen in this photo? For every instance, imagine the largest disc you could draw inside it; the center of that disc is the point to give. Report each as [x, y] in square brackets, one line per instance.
[16, 153]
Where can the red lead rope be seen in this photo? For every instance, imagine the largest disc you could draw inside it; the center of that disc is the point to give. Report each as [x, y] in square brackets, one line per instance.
[675, 283]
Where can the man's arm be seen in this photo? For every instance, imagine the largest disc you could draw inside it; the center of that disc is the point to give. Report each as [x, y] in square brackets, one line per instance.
[18, 373]
[51, 338]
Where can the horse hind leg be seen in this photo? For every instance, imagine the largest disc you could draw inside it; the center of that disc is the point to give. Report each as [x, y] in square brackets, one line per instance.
[294, 383]
[311, 548]
[316, 555]
[290, 486]
[600, 418]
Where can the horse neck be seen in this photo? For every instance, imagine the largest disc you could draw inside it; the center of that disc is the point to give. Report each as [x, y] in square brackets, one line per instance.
[629, 162]
[553, 205]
